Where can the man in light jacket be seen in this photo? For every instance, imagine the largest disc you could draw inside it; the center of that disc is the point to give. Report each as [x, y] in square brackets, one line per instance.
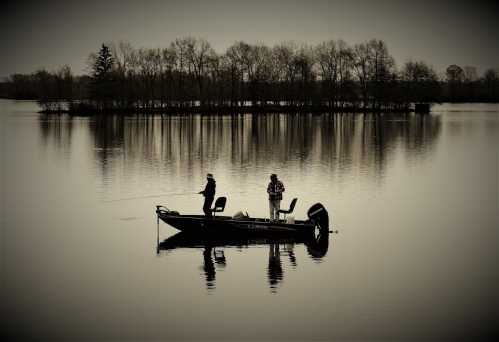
[275, 190]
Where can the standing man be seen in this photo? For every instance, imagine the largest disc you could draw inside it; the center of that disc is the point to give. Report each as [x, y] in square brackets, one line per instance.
[275, 190]
[209, 194]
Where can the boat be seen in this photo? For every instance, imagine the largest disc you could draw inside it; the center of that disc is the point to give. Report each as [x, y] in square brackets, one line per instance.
[241, 224]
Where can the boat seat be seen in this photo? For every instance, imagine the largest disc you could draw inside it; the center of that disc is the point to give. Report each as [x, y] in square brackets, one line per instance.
[290, 210]
[219, 205]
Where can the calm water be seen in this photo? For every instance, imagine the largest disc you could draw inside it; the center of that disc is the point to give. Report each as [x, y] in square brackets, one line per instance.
[415, 201]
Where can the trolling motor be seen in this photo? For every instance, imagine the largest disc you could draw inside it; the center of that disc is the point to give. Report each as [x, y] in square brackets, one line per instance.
[319, 216]
[162, 210]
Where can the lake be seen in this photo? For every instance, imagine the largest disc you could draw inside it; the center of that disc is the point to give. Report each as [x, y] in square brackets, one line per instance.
[414, 200]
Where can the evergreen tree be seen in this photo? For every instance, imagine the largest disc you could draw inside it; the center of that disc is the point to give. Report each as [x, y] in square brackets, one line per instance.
[102, 85]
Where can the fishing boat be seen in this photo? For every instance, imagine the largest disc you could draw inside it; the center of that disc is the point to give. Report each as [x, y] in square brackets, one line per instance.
[243, 224]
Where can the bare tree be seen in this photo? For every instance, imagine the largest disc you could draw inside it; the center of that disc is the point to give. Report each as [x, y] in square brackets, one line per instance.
[345, 70]
[284, 56]
[455, 78]
[470, 73]
[420, 82]
[64, 86]
[304, 68]
[199, 52]
[148, 63]
[47, 97]
[491, 79]
[261, 76]
[218, 69]
[241, 57]
[335, 60]
[181, 46]
[454, 73]
[363, 66]
[123, 53]
[234, 68]
[383, 71]
[169, 60]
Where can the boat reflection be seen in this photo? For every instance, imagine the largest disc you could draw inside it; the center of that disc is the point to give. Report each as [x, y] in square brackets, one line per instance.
[214, 247]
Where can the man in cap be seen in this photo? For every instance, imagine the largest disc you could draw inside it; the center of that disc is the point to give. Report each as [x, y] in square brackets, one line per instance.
[209, 194]
[275, 190]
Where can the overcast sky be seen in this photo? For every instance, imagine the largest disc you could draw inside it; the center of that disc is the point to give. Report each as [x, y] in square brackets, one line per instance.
[36, 34]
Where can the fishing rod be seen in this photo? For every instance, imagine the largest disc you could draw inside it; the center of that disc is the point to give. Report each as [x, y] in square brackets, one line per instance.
[162, 195]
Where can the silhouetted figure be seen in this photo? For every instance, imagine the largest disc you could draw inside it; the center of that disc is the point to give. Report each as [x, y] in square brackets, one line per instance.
[209, 195]
[275, 190]
[274, 271]
[209, 267]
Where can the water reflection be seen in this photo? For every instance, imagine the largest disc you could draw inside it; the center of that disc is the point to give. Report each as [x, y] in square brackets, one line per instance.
[56, 131]
[209, 267]
[274, 272]
[317, 248]
[212, 257]
[213, 250]
[290, 251]
[186, 143]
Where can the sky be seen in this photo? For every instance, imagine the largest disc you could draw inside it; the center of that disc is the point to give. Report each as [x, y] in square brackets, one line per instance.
[48, 34]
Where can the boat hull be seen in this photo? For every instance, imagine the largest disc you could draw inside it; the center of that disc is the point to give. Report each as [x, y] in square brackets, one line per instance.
[225, 225]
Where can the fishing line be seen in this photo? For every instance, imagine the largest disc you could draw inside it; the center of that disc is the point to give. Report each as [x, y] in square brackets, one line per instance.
[162, 195]
[149, 196]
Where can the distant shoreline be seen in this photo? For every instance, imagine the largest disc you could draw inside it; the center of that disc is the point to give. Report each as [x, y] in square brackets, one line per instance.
[189, 76]
[229, 110]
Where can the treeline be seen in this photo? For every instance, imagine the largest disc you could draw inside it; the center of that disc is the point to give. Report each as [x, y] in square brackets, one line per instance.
[190, 74]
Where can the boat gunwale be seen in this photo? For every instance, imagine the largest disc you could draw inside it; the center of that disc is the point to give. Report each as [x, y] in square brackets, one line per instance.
[297, 223]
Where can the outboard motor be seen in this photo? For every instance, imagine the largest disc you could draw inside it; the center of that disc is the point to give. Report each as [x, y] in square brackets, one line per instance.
[319, 216]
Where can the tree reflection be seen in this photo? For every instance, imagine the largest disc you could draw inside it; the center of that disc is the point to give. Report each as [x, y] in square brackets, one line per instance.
[187, 143]
[56, 131]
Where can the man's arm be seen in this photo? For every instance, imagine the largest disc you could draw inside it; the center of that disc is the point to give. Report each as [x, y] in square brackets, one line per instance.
[204, 191]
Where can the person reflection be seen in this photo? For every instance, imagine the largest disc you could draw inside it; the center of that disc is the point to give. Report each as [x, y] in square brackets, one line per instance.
[214, 258]
[274, 271]
[209, 267]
